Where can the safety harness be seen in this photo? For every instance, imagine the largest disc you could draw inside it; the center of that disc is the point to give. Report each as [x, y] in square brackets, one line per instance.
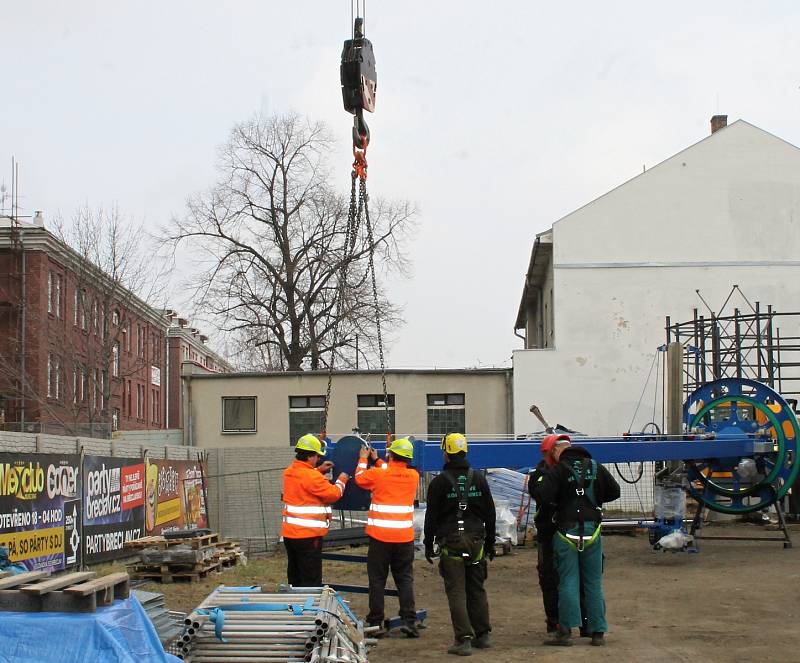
[463, 545]
[585, 504]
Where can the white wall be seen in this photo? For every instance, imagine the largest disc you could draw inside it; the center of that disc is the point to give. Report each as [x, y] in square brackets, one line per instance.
[723, 212]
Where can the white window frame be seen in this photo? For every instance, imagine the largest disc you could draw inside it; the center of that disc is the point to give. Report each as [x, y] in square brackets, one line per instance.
[50, 291]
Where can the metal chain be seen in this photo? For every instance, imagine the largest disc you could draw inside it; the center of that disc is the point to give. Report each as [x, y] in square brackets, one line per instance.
[350, 234]
[364, 198]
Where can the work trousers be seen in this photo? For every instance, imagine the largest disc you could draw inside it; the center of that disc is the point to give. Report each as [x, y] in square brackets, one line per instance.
[466, 596]
[580, 570]
[304, 561]
[548, 577]
[399, 557]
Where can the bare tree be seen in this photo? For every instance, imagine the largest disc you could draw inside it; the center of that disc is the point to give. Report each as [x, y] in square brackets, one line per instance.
[279, 274]
[116, 280]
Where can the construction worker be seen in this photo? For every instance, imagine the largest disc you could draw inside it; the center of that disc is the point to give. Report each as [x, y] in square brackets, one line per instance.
[576, 488]
[390, 528]
[460, 521]
[307, 496]
[546, 529]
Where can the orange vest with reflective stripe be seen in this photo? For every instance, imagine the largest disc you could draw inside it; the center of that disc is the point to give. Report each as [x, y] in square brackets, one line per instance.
[394, 487]
[307, 495]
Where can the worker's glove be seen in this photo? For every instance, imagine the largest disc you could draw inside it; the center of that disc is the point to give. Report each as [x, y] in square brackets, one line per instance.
[325, 466]
[343, 477]
[490, 553]
[363, 453]
[429, 554]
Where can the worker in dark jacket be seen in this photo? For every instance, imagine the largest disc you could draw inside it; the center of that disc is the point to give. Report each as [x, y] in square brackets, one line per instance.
[576, 488]
[460, 521]
[546, 529]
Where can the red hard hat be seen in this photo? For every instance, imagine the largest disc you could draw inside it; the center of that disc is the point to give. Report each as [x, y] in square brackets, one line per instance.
[549, 441]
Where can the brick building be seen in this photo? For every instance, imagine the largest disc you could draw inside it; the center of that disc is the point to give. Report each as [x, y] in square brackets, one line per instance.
[79, 353]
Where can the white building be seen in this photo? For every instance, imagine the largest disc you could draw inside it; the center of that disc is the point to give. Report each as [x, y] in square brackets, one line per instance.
[724, 211]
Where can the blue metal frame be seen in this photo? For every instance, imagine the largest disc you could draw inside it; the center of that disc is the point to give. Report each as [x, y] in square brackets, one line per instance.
[525, 453]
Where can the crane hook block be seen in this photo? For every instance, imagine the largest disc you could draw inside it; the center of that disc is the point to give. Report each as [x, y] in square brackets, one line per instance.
[357, 72]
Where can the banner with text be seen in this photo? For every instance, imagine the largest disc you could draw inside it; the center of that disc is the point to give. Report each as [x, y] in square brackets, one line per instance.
[174, 496]
[113, 505]
[40, 509]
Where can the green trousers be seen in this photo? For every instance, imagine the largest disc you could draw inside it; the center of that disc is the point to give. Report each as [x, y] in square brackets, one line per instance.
[466, 597]
[575, 569]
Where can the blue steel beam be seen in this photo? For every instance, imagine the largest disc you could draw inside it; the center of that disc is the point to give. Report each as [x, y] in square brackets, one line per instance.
[525, 453]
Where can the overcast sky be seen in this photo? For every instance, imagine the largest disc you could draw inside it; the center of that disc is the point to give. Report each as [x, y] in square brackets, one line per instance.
[495, 118]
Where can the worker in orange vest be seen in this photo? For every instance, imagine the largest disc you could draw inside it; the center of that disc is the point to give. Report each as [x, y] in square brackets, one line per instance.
[307, 496]
[390, 528]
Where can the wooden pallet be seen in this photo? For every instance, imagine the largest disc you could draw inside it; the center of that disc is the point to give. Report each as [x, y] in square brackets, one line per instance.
[196, 542]
[38, 591]
[167, 574]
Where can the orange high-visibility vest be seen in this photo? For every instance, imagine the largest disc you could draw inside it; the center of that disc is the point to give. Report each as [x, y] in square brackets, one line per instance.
[394, 487]
[307, 495]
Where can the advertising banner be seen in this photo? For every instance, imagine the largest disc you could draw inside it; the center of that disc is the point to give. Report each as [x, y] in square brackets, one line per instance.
[174, 496]
[113, 505]
[40, 509]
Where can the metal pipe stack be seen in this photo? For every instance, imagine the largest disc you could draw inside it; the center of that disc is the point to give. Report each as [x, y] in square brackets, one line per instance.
[294, 625]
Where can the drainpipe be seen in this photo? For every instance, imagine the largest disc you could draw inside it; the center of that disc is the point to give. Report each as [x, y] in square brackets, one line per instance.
[24, 308]
[509, 402]
[166, 381]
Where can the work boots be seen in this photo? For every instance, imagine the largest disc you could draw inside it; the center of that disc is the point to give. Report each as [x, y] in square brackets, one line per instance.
[380, 630]
[483, 641]
[561, 638]
[461, 647]
[410, 630]
[598, 640]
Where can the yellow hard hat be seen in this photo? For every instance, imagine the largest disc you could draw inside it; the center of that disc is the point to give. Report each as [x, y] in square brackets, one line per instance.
[453, 443]
[402, 447]
[311, 442]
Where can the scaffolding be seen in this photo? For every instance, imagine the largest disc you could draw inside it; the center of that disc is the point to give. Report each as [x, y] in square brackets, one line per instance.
[760, 344]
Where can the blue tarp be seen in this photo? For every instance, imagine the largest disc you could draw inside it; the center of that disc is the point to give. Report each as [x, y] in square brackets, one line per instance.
[120, 633]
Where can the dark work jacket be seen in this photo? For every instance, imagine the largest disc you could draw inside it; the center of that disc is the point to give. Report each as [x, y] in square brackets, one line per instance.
[441, 513]
[558, 488]
[544, 510]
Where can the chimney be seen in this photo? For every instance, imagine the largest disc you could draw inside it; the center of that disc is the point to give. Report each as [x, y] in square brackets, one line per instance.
[38, 218]
[183, 322]
[718, 122]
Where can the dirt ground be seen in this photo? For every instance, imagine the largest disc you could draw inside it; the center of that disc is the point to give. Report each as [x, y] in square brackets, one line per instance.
[734, 601]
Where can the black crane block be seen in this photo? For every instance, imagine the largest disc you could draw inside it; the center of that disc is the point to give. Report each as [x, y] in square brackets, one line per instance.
[357, 72]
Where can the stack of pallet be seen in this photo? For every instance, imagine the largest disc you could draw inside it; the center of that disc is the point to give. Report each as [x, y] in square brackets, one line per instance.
[37, 591]
[190, 558]
[248, 624]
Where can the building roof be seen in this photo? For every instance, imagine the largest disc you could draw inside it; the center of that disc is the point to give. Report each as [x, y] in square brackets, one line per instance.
[541, 255]
[389, 371]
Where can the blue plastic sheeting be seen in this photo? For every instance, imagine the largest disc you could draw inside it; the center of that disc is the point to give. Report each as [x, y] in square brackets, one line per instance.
[120, 633]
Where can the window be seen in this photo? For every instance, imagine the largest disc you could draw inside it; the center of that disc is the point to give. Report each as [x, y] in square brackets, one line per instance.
[84, 383]
[57, 303]
[115, 318]
[75, 304]
[372, 413]
[305, 416]
[140, 401]
[115, 360]
[49, 374]
[82, 306]
[54, 283]
[446, 414]
[126, 336]
[53, 376]
[130, 412]
[115, 419]
[239, 414]
[95, 318]
[59, 378]
[75, 385]
[139, 341]
[154, 405]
